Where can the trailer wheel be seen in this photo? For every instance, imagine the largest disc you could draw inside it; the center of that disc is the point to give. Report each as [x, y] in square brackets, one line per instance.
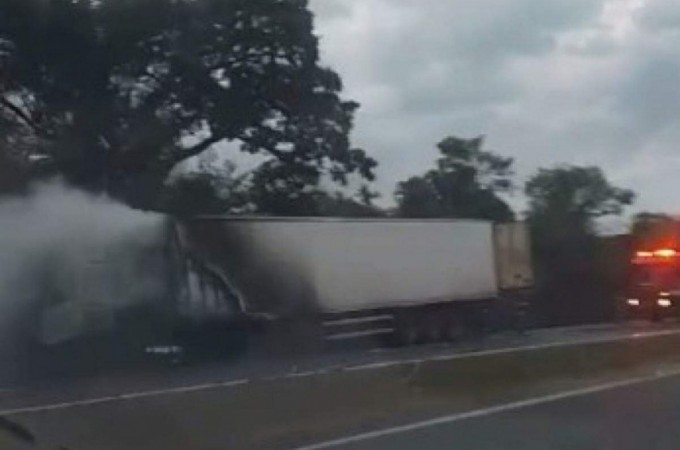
[292, 336]
[453, 328]
[433, 327]
[407, 330]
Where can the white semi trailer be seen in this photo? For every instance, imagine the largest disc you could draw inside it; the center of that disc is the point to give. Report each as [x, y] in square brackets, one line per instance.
[219, 279]
[414, 280]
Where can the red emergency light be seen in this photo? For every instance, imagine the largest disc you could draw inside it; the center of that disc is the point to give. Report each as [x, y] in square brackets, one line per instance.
[652, 256]
[665, 253]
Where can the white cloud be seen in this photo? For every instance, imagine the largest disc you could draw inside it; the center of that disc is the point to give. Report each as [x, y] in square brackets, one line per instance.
[548, 82]
[658, 15]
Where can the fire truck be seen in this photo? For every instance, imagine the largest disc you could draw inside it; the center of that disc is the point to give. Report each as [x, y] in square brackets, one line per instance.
[653, 290]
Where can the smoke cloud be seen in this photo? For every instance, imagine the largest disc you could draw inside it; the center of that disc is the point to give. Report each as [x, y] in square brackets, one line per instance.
[69, 260]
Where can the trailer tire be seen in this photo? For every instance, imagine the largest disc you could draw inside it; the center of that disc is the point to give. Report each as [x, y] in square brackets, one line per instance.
[407, 330]
[292, 336]
[453, 328]
[433, 327]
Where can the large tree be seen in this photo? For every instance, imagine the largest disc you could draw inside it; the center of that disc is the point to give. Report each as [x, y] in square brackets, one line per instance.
[574, 195]
[121, 91]
[465, 184]
[572, 262]
[564, 203]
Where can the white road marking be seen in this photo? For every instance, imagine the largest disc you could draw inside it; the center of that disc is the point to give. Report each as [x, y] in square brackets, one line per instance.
[490, 411]
[120, 397]
[505, 350]
[308, 373]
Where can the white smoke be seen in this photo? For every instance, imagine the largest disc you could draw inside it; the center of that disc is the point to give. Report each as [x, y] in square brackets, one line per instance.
[69, 260]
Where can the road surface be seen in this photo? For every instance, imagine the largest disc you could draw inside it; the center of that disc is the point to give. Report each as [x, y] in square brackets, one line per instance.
[34, 389]
[640, 415]
[236, 406]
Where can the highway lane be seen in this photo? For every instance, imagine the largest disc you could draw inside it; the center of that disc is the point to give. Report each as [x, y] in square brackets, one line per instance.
[206, 408]
[642, 414]
[29, 391]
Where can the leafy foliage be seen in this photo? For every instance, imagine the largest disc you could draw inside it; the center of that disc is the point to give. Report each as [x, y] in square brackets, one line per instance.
[218, 188]
[580, 193]
[466, 183]
[211, 189]
[572, 262]
[120, 87]
[340, 205]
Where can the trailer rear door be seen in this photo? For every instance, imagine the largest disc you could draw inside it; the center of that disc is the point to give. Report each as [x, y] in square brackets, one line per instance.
[513, 256]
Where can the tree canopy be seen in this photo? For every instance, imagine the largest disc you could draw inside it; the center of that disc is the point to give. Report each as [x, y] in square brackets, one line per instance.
[465, 184]
[581, 191]
[118, 92]
[213, 191]
[564, 203]
[573, 265]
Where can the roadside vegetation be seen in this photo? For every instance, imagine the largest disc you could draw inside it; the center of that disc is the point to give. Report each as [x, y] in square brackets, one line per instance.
[151, 101]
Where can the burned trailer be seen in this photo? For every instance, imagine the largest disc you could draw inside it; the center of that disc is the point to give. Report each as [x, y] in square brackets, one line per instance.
[212, 284]
[409, 280]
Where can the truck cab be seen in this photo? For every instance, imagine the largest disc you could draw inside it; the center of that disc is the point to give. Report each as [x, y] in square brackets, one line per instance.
[654, 284]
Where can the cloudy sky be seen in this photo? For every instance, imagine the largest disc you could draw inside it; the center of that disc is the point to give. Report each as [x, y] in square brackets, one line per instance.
[547, 81]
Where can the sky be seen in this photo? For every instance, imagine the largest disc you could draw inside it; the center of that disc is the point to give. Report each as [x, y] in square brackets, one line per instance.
[587, 82]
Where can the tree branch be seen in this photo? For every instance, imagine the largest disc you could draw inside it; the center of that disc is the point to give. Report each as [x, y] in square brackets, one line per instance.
[199, 148]
[25, 118]
[277, 153]
[196, 149]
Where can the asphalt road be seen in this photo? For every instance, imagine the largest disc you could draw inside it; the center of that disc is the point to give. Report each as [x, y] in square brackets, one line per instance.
[195, 407]
[639, 416]
[35, 389]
